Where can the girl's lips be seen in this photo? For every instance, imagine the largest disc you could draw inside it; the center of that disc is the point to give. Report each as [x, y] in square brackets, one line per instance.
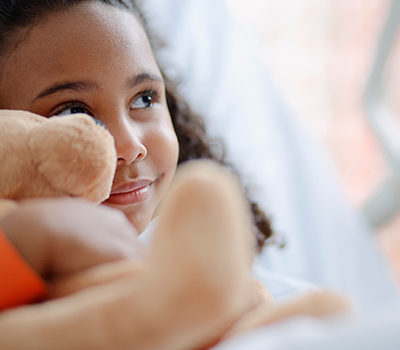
[130, 193]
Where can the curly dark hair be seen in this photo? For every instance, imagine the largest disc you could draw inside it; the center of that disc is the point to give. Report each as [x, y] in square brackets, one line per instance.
[189, 127]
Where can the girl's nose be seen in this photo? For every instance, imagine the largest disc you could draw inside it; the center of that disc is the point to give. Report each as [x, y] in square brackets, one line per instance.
[128, 144]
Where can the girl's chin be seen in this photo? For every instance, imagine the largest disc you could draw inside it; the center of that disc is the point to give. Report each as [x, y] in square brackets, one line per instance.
[139, 219]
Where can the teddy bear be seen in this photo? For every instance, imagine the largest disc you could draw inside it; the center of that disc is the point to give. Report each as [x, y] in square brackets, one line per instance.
[191, 291]
[81, 162]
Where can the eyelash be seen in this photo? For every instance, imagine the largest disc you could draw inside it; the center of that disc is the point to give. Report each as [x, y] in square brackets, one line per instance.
[154, 94]
[72, 104]
[150, 92]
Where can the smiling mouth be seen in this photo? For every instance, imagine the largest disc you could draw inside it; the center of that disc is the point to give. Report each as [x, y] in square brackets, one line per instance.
[131, 193]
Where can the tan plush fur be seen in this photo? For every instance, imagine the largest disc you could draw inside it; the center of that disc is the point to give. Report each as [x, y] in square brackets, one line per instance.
[61, 156]
[190, 291]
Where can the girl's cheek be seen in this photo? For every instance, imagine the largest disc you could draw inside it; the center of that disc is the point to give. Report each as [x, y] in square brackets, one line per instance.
[164, 144]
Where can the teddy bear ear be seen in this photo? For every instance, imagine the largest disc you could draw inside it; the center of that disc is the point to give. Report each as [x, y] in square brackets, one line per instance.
[75, 156]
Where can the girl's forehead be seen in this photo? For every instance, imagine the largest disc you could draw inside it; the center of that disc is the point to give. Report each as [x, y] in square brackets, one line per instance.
[89, 23]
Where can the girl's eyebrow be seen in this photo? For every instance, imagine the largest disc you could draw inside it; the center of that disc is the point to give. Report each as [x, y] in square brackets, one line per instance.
[76, 86]
[143, 77]
[84, 86]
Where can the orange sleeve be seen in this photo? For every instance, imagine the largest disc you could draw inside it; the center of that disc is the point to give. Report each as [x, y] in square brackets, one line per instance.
[19, 283]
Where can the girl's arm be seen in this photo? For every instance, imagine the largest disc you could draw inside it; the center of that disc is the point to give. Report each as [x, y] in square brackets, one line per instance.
[96, 318]
[61, 324]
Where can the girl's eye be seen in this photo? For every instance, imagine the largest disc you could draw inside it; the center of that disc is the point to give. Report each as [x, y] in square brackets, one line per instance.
[72, 108]
[145, 100]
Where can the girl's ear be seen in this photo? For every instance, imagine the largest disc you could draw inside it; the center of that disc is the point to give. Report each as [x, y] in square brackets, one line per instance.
[75, 155]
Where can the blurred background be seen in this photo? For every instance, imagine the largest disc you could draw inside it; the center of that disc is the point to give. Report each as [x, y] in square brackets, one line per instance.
[319, 55]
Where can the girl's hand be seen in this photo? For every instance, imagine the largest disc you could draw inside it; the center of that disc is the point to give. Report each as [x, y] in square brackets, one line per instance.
[64, 236]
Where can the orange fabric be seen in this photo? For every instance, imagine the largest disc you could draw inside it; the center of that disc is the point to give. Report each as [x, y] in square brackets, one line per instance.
[19, 284]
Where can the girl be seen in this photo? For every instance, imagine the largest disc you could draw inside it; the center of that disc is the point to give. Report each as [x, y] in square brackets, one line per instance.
[100, 62]
[62, 57]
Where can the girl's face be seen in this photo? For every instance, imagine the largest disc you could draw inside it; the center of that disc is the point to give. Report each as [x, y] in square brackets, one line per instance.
[96, 59]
